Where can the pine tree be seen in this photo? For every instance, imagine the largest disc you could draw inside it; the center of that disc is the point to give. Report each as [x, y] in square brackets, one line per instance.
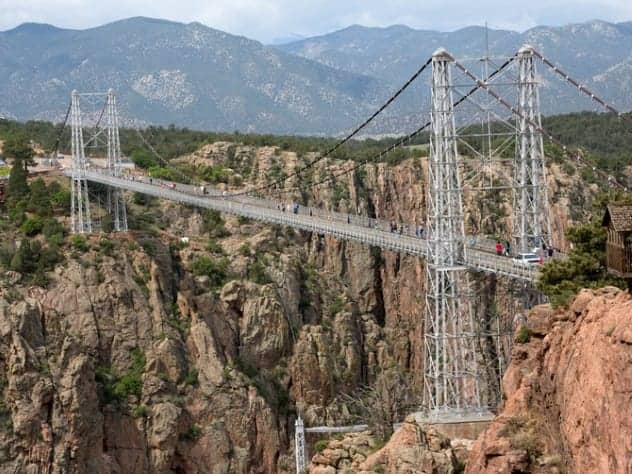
[19, 148]
[17, 188]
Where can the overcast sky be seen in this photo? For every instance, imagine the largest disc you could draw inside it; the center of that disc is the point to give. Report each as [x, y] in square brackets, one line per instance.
[271, 20]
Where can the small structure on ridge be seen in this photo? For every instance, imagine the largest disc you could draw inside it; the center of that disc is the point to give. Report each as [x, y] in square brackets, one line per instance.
[618, 221]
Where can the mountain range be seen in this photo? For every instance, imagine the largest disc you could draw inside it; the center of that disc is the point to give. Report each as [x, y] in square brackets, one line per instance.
[195, 76]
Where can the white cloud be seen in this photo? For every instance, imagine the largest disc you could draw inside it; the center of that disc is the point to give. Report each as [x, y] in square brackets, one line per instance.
[269, 19]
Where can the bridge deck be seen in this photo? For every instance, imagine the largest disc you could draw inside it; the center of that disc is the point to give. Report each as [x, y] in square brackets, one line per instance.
[480, 256]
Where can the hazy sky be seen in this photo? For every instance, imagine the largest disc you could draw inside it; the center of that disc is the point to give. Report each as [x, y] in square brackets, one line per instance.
[270, 20]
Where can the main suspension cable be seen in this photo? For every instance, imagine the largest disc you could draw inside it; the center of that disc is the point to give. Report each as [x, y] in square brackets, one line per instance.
[381, 154]
[595, 98]
[340, 143]
[535, 125]
[61, 131]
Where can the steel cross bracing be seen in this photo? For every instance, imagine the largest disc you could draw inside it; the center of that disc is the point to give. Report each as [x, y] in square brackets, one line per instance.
[451, 375]
[116, 203]
[480, 255]
[531, 221]
[80, 220]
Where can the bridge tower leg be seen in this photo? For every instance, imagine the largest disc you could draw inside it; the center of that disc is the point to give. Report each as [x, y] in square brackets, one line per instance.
[299, 445]
[531, 219]
[451, 372]
[116, 203]
[80, 219]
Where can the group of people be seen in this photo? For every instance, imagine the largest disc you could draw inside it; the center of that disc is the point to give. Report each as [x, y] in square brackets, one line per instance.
[505, 249]
[293, 207]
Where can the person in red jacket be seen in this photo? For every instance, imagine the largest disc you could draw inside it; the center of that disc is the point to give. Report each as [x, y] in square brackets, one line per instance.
[499, 248]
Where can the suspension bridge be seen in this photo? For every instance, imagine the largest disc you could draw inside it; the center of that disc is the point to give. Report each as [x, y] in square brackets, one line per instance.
[453, 376]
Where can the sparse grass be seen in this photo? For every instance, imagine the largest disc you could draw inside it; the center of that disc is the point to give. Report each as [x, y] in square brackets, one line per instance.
[257, 272]
[524, 335]
[79, 243]
[245, 249]
[191, 378]
[523, 435]
[321, 445]
[141, 411]
[192, 433]
[336, 306]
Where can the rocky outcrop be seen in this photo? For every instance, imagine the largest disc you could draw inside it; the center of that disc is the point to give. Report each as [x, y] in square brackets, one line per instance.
[568, 392]
[412, 449]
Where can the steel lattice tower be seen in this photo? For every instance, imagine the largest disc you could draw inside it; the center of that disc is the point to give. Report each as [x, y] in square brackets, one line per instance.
[299, 445]
[451, 374]
[116, 204]
[531, 223]
[81, 221]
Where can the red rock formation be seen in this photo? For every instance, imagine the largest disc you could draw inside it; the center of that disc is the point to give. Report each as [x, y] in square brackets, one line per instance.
[568, 393]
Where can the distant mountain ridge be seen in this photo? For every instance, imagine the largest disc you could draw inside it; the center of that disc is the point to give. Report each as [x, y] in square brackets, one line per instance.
[192, 75]
[166, 72]
[597, 53]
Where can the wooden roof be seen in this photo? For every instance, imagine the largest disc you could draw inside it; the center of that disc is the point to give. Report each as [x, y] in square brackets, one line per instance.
[620, 216]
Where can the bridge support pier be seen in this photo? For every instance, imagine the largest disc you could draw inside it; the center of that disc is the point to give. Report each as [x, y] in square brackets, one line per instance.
[452, 377]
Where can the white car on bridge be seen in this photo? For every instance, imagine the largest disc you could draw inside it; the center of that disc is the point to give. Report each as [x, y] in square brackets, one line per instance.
[526, 259]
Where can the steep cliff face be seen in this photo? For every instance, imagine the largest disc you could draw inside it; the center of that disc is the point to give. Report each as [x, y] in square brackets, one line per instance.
[144, 354]
[568, 392]
[139, 356]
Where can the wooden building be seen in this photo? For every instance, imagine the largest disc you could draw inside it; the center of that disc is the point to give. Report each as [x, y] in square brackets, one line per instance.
[618, 220]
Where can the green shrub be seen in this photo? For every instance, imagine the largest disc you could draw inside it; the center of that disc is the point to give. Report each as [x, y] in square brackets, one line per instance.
[79, 243]
[192, 434]
[214, 247]
[54, 231]
[245, 249]
[191, 378]
[141, 411]
[128, 384]
[245, 367]
[131, 382]
[257, 273]
[106, 246]
[321, 445]
[524, 335]
[336, 306]
[39, 201]
[33, 225]
[213, 224]
[215, 269]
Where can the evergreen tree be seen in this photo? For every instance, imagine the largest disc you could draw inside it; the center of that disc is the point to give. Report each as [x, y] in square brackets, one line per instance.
[17, 188]
[40, 199]
[19, 148]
